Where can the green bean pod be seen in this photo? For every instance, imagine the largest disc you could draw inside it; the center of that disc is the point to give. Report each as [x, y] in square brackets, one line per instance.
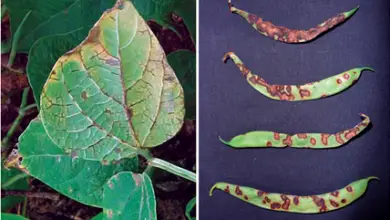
[310, 91]
[298, 204]
[302, 140]
[287, 35]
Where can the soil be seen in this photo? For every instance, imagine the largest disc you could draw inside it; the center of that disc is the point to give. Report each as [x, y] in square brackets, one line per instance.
[172, 192]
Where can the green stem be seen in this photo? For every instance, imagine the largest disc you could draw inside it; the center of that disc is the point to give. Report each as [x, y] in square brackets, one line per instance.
[18, 120]
[15, 40]
[24, 210]
[165, 165]
[13, 180]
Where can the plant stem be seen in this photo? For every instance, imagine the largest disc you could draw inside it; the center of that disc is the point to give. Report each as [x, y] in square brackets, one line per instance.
[18, 120]
[15, 40]
[13, 180]
[165, 165]
[24, 210]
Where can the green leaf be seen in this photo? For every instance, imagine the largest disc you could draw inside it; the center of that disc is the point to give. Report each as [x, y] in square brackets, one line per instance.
[184, 64]
[52, 17]
[160, 11]
[129, 196]
[81, 180]
[190, 205]
[8, 216]
[115, 93]
[98, 216]
[44, 54]
[12, 179]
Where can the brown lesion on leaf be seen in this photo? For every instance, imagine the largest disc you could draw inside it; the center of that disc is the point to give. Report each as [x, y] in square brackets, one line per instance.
[94, 34]
[84, 95]
[320, 202]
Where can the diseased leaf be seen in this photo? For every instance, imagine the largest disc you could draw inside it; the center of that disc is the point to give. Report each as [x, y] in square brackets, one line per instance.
[52, 17]
[129, 196]
[8, 216]
[44, 54]
[184, 64]
[161, 12]
[81, 180]
[113, 94]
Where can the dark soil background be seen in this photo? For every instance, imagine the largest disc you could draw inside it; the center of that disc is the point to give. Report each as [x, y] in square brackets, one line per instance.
[172, 192]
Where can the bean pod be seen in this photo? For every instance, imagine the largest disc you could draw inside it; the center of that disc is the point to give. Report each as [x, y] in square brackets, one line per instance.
[287, 35]
[310, 91]
[298, 204]
[302, 140]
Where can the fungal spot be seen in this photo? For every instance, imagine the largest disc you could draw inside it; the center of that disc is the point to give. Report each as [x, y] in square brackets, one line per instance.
[93, 34]
[287, 141]
[349, 189]
[335, 193]
[105, 162]
[296, 200]
[227, 189]
[260, 193]
[109, 213]
[343, 201]
[338, 81]
[267, 199]
[346, 76]
[302, 135]
[238, 191]
[324, 95]
[320, 202]
[324, 138]
[275, 205]
[84, 95]
[313, 141]
[333, 203]
[252, 18]
[246, 197]
[108, 111]
[350, 134]
[269, 144]
[286, 202]
[339, 139]
[112, 62]
[73, 154]
[276, 136]
[110, 185]
[304, 93]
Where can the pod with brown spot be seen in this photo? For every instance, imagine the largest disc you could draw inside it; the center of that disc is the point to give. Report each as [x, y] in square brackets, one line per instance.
[299, 204]
[309, 91]
[301, 140]
[287, 35]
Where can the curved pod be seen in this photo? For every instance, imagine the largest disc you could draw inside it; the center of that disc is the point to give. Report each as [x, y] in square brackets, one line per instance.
[301, 140]
[298, 204]
[287, 35]
[309, 91]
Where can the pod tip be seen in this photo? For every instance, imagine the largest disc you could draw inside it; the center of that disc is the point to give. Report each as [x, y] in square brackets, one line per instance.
[367, 68]
[363, 115]
[372, 178]
[226, 56]
[212, 189]
[351, 12]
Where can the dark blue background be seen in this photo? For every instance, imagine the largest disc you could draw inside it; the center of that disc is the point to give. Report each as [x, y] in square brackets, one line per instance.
[229, 106]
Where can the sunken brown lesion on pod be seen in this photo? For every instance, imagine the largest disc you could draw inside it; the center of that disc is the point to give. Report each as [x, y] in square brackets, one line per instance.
[288, 35]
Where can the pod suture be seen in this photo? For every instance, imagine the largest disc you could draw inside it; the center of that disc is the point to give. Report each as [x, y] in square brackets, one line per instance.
[287, 35]
[301, 140]
[294, 203]
[309, 91]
